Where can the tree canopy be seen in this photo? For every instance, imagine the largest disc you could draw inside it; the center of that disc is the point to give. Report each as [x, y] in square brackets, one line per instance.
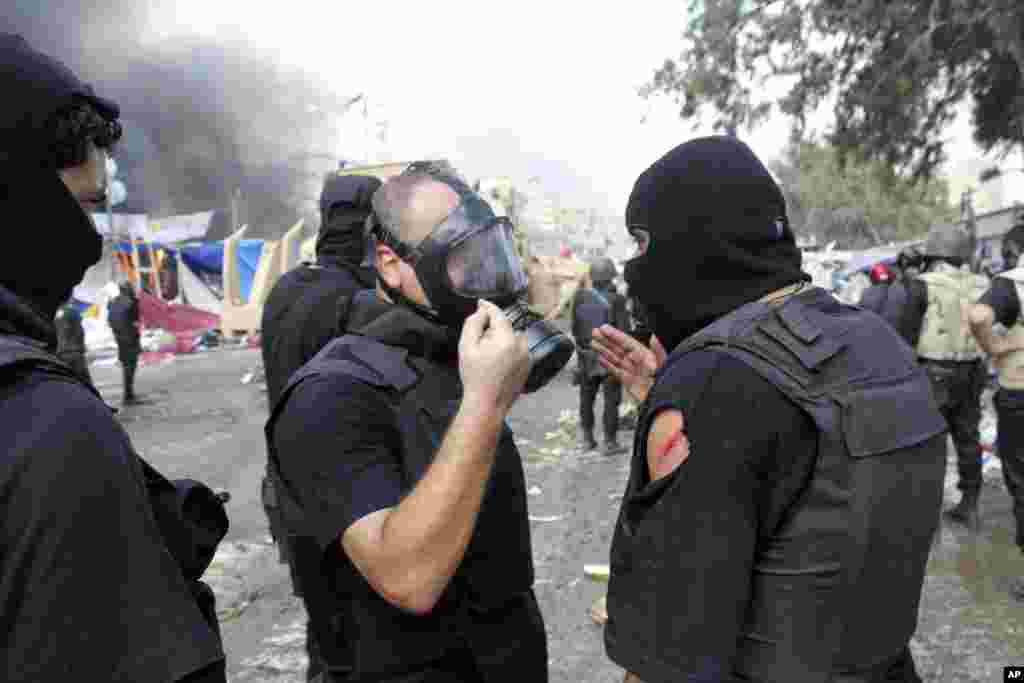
[896, 70]
[860, 203]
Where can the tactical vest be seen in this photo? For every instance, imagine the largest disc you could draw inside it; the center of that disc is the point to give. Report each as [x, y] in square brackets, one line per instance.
[946, 332]
[836, 584]
[191, 518]
[482, 608]
[1011, 372]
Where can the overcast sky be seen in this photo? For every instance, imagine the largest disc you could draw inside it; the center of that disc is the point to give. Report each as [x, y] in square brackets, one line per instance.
[530, 88]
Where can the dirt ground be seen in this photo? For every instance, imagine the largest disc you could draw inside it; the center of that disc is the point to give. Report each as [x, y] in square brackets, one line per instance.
[204, 422]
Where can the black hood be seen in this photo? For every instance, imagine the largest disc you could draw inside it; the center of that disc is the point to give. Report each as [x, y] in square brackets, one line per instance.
[344, 207]
[35, 86]
[719, 236]
[49, 241]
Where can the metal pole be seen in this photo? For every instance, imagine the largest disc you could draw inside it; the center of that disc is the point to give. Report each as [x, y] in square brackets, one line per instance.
[366, 132]
[113, 238]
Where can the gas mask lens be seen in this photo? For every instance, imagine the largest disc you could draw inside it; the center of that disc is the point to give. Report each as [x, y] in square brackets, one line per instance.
[484, 265]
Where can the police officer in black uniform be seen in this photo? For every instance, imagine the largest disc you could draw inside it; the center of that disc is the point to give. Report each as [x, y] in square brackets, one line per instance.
[770, 496]
[1002, 304]
[392, 441]
[592, 307]
[99, 556]
[123, 318]
[71, 340]
[888, 297]
[300, 317]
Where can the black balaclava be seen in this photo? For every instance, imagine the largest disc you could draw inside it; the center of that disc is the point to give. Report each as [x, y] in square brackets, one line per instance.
[719, 236]
[344, 206]
[49, 240]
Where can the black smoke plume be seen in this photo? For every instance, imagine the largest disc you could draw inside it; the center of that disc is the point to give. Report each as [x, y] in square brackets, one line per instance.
[203, 119]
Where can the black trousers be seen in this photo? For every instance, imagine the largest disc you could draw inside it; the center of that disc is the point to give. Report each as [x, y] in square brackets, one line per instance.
[288, 546]
[957, 387]
[292, 546]
[612, 398]
[128, 353]
[1010, 445]
[76, 359]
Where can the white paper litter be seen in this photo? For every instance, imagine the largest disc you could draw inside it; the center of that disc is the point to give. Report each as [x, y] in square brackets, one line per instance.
[553, 518]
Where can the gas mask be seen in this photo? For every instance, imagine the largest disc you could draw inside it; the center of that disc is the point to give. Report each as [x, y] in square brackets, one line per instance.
[469, 256]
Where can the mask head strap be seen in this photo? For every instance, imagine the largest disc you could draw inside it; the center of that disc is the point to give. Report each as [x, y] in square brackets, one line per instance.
[469, 202]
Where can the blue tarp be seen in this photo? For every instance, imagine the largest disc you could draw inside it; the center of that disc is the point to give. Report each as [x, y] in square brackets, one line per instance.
[207, 258]
[80, 306]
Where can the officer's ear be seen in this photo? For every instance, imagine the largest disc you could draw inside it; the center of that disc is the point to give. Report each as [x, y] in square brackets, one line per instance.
[389, 266]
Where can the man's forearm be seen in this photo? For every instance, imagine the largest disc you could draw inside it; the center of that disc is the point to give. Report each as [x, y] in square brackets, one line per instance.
[982, 318]
[428, 532]
[987, 339]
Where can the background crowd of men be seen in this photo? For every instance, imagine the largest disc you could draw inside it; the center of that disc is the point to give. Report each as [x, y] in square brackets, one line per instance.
[394, 484]
[947, 312]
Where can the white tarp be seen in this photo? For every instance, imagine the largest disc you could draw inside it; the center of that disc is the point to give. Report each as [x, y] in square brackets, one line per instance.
[195, 291]
[89, 289]
[168, 230]
[98, 335]
[180, 228]
[823, 266]
[125, 224]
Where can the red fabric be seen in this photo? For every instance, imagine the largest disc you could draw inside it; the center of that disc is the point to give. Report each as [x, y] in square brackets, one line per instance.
[184, 322]
[880, 273]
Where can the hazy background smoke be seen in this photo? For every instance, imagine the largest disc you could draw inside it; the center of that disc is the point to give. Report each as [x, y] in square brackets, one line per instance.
[203, 119]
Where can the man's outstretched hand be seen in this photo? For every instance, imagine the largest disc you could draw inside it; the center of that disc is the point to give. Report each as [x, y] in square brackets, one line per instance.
[629, 361]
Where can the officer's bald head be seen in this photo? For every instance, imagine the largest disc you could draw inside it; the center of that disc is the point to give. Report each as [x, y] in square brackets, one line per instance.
[411, 205]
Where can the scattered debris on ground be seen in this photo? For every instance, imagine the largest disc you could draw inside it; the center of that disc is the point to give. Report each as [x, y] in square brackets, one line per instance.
[549, 518]
[599, 611]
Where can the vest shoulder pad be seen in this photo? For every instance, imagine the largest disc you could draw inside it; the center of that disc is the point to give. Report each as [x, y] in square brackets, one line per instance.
[791, 325]
[14, 350]
[17, 352]
[368, 360]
